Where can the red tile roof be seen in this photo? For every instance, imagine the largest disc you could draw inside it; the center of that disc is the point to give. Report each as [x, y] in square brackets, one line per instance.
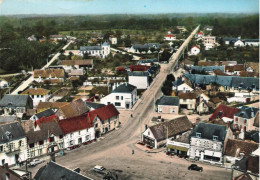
[169, 35]
[199, 33]
[138, 68]
[105, 112]
[226, 112]
[47, 119]
[194, 46]
[75, 124]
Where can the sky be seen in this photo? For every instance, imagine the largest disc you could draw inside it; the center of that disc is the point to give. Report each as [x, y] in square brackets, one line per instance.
[12, 7]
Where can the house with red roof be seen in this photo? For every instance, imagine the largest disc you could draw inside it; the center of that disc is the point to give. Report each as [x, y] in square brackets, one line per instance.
[199, 35]
[195, 50]
[169, 37]
[226, 113]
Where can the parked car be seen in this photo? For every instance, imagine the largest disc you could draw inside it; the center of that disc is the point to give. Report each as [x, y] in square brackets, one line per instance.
[34, 162]
[99, 169]
[195, 167]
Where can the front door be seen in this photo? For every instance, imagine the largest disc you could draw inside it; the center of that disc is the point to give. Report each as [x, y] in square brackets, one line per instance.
[127, 106]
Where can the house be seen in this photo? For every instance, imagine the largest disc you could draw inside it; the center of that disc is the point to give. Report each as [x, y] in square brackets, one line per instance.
[76, 72]
[113, 40]
[68, 65]
[209, 42]
[58, 37]
[139, 79]
[46, 113]
[248, 74]
[235, 70]
[44, 136]
[156, 135]
[138, 68]
[195, 50]
[144, 48]
[167, 105]
[74, 108]
[15, 105]
[251, 42]
[12, 144]
[180, 86]
[93, 106]
[236, 149]
[199, 35]
[226, 113]
[188, 63]
[228, 40]
[101, 51]
[238, 43]
[3, 84]
[7, 119]
[54, 171]
[209, 69]
[6, 173]
[32, 38]
[123, 96]
[188, 100]
[207, 142]
[147, 62]
[244, 120]
[51, 76]
[104, 119]
[247, 167]
[169, 37]
[37, 95]
[203, 105]
[77, 130]
[208, 28]
[179, 145]
[42, 106]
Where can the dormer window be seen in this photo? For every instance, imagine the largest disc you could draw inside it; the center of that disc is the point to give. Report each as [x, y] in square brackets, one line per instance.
[215, 138]
[198, 135]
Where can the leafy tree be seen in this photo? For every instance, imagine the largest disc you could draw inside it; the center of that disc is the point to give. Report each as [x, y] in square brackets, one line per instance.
[170, 77]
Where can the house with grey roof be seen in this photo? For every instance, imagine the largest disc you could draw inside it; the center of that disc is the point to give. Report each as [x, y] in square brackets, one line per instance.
[123, 96]
[207, 142]
[156, 135]
[46, 113]
[12, 144]
[15, 105]
[144, 48]
[209, 69]
[147, 62]
[93, 106]
[167, 105]
[251, 42]
[55, 171]
[100, 51]
[140, 79]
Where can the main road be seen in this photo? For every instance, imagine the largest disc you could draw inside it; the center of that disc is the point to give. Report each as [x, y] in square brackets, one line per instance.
[27, 82]
[114, 151]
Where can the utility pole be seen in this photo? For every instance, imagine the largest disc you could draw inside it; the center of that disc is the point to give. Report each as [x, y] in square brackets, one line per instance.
[140, 129]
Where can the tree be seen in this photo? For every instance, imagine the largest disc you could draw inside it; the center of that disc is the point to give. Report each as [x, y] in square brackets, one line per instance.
[170, 77]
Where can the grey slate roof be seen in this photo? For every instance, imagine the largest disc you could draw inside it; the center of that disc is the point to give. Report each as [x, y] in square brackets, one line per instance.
[247, 112]
[168, 100]
[89, 48]
[5, 119]
[208, 130]
[124, 88]
[147, 61]
[137, 73]
[45, 113]
[94, 105]
[251, 40]
[55, 171]
[231, 81]
[16, 100]
[229, 39]
[207, 68]
[10, 132]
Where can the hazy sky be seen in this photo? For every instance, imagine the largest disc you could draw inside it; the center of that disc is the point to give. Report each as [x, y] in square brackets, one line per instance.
[126, 6]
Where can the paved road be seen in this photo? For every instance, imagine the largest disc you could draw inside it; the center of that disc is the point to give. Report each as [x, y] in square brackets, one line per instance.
[27, 82]
[115, 150]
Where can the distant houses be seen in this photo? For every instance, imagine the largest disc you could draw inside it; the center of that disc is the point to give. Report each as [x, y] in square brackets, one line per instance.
[38, 95]
[101, 51]
[144, 48]
[169, 37]
[49, 76]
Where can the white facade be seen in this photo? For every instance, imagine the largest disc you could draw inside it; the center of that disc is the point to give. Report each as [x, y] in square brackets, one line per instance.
[39, 98]
[169, 37]
[255, 44]
[3, 84]
[141, 82]
[79, 137]
[102, 51]
[113, 40]
[195, 50]
[147, 134]
[239, 43]
[183, 88]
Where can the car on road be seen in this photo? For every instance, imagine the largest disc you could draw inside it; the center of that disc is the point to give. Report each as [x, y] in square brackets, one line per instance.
[35, 162]
[99, 169]
[195, 167]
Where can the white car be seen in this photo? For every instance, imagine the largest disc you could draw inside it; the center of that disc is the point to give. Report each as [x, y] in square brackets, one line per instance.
[35, 162]
[98, 168]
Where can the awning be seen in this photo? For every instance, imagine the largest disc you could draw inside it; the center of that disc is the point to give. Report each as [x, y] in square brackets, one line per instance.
[208, 153]
[177, 148]
[217, 154]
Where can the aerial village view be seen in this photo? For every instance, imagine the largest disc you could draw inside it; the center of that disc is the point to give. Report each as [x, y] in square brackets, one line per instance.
[129, 90]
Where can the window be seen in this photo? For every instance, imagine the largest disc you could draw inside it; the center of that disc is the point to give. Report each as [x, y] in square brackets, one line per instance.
[87, 137]
[32, 154]
[79, 132]
[117, 97]
[20, 143]
[96, 125]
[117, 104]
[109, 127]
[184, 100]
[71, 135]
[51, 139]
[148, 133]
[31, 145]
[40, 142]
[39, 152]
[215, 138]
[61, 145]
[109, 121]
[122, 98]
[61, 136]
[1, 148]
[198, 135]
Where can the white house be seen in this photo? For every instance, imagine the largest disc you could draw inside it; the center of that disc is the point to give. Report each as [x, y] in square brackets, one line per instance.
[3, 84]
[239, 43]
[251, 42]
[77, 130]
[12, 144]
[139, 79]
[199, 35]
[123, 96]
[38, 95]
[101, 51]
[195, 50]
[68, 65]
[209, 42]
[167, 105]
[169, 37]
[43, 114]
[207, 142]
[113, 40]
[181, 86]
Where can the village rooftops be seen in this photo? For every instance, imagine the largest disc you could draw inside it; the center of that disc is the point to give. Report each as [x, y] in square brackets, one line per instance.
[175, 127]
[105, 112]
[94, 105]
[75, 108]
[247, 112]
[168, 100]
[208, 131]
[7, 119]
[46, 113]
[50, 105]
[223, 111]
[10, 132]
[137, 73]
[207, 68]
[89, 48]
[14, 100]
[147, 61]
[77, 62]
[53, 73]
[124, 88]
[188, 95]
[235, 146]
[248, 164]
[36, 91]
[54, 171]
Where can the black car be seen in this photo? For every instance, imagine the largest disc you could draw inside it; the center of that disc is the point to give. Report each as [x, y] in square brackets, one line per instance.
[195, 167]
